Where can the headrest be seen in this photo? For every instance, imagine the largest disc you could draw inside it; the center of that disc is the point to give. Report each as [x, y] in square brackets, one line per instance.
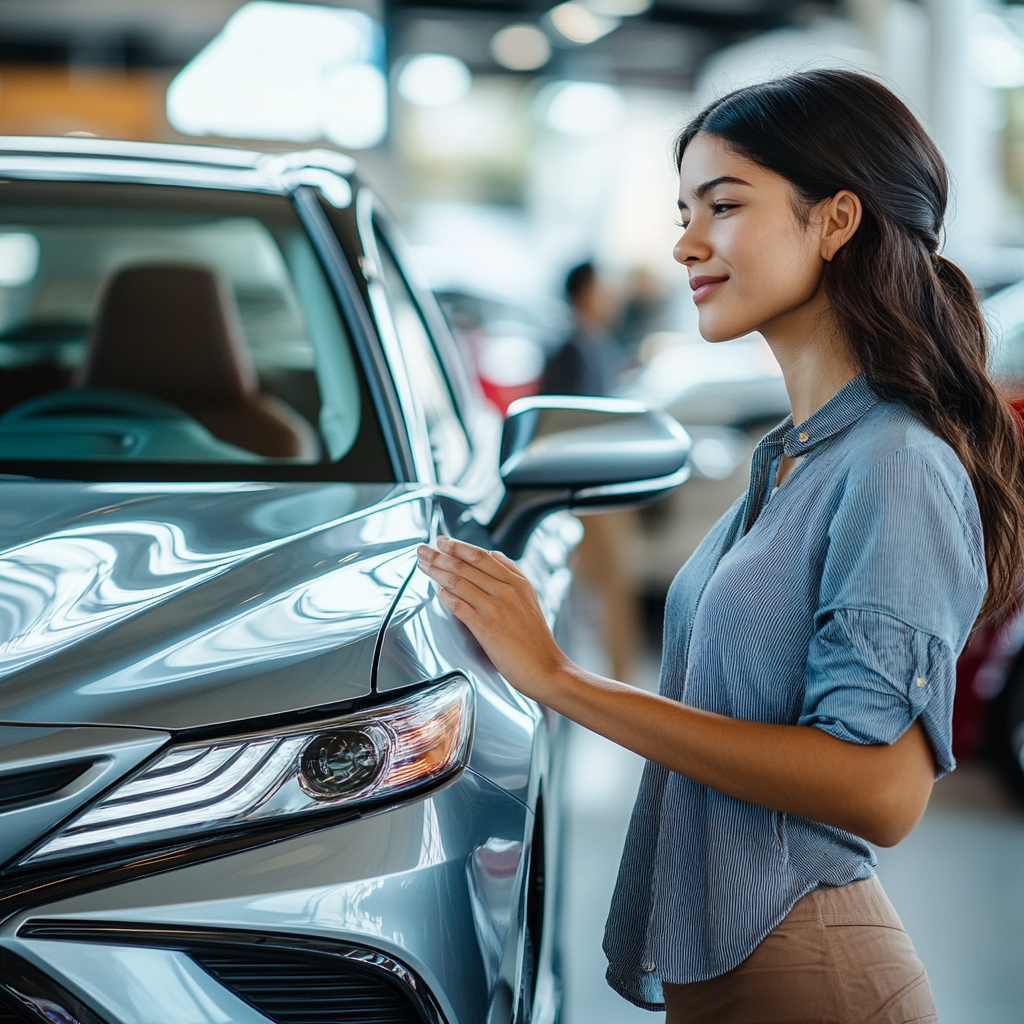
[171, 331]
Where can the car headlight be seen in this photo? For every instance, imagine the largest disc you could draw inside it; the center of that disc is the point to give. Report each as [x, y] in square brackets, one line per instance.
[209, 787]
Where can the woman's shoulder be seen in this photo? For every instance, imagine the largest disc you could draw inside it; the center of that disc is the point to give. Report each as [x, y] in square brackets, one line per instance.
[892, 443]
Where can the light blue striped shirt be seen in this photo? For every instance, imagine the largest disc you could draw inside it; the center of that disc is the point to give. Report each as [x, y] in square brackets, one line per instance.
[844, 606]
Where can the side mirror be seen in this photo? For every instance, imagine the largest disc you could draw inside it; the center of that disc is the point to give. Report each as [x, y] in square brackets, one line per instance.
[583, 453]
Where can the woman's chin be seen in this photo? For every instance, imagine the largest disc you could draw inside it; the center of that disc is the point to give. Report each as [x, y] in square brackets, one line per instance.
[717, 333]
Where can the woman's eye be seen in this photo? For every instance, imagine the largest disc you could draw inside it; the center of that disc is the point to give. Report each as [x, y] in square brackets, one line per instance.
[681, 224]
[717, 208]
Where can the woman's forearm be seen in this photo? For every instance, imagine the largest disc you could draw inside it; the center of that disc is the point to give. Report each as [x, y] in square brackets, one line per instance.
[877, 792]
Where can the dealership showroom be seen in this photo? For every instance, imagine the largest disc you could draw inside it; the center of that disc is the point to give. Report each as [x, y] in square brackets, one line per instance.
[402, 620]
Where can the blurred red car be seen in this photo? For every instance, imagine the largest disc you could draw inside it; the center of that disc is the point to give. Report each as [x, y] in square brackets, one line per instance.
[988, 709]
[502, 344]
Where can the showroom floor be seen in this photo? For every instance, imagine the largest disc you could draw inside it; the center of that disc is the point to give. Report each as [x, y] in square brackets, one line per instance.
[957, 882]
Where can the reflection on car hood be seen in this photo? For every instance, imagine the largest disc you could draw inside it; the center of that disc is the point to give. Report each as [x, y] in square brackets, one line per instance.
[181, 605]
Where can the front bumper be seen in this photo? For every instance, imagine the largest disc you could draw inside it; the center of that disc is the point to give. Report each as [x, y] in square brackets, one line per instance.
[431, 891]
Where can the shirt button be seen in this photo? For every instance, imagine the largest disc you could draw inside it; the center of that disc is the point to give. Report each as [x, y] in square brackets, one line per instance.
[802, 436]
[920, 680]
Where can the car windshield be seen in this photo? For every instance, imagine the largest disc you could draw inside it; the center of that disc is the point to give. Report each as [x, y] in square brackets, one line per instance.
[164, 333]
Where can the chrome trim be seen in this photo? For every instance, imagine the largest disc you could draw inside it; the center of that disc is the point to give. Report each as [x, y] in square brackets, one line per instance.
[173, 152]
[323, 159]
[84, 168]
[638, 487]
[364, 334]
[195, 166]
[423, 460]
[183, 938]
[586, 403]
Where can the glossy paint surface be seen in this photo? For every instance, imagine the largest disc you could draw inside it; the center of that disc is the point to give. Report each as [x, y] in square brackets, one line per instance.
[133, 612]
[436, 883]
[422, 638]
[174, 606]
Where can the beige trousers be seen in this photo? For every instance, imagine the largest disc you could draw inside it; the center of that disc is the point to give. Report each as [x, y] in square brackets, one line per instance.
[841, 956]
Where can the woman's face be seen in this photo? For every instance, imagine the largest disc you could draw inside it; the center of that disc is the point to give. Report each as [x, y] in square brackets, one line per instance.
[751, 260]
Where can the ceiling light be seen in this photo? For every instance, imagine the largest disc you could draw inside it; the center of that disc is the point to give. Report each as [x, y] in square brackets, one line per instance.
[578, 24]
[275, 71]
[521, 48]
[354, 125]
[996, 53]
[19, 258]
[584, 109]
[434, 80]
[618, 8]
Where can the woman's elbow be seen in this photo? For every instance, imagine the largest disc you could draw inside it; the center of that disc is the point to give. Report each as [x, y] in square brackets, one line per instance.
[887, 833]
[894, 814]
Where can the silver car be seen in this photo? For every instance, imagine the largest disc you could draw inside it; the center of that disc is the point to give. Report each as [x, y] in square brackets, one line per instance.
[250, 769]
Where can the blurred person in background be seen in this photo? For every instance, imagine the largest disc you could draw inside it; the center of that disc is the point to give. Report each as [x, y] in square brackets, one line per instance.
[643, 312]
[590, 360]
[589, 363]
[811, 639]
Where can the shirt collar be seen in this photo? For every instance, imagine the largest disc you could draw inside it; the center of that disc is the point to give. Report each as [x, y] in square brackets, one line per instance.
[845, 407]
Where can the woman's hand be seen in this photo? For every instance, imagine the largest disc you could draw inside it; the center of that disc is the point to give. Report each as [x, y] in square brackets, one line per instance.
[876, 792]
[486, 591]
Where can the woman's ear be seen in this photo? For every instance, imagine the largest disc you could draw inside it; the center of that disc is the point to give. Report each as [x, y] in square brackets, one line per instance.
[838, 219]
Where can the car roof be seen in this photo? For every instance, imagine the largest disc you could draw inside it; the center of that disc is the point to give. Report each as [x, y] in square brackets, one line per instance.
[88, 159]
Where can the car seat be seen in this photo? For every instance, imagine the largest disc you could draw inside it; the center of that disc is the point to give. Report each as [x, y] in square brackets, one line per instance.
[172, 331]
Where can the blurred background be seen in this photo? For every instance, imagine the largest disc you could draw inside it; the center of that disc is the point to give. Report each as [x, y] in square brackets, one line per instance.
[518, 141]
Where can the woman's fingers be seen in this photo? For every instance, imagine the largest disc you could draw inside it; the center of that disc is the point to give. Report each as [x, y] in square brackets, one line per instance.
[497, 603]
[460, 608]
[465, 565]
[487, 561]
[457, 578]
[501, 557]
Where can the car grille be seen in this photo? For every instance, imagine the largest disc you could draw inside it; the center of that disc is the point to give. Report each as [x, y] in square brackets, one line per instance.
[307, 990]
[9, 1015]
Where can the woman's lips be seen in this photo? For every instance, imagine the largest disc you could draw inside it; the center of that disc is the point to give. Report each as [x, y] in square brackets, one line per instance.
[703, 286]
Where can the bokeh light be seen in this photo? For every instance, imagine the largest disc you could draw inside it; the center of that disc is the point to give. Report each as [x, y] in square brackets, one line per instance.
[579, 24]
[434, 80]
[584, 109]
[521, 48]
[278, 70]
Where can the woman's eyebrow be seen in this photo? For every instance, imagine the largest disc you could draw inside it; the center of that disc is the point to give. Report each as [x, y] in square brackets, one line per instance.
[702, 190]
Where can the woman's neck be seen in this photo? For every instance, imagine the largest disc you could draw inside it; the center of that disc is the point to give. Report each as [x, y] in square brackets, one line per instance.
[815, 358]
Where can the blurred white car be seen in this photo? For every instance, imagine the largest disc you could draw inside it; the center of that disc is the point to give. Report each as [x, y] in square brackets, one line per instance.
[727, 396]
[732, 384]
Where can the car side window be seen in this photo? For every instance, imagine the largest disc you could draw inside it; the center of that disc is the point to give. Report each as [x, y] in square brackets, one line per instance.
[449, 442]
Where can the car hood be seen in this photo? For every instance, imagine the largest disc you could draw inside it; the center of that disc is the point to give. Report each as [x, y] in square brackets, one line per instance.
[176, 606]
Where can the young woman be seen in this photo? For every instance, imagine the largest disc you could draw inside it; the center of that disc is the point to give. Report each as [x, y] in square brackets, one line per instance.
[811, 640]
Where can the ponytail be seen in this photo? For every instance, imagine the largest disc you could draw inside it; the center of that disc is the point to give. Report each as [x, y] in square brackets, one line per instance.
[910, 316]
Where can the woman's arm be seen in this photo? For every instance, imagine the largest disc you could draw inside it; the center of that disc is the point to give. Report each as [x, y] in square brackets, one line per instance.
[876, 792]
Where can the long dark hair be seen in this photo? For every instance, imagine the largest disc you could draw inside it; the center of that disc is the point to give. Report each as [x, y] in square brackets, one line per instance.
[910, 316]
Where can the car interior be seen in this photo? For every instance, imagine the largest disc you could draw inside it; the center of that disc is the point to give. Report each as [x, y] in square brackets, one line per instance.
[168, 335]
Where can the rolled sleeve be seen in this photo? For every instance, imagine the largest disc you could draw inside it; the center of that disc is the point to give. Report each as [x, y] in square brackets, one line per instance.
[902, 583]
[870, 676]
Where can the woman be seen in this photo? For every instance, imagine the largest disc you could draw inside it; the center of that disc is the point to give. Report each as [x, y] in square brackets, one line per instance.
[810, 641]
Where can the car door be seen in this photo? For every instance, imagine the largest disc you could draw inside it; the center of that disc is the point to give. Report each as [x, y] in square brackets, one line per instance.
[516, 742]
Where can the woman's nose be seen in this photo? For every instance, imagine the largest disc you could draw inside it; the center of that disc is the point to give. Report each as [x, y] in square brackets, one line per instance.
[692, 247]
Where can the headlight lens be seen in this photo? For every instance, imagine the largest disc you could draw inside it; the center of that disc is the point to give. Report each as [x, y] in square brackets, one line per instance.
[199, 788]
